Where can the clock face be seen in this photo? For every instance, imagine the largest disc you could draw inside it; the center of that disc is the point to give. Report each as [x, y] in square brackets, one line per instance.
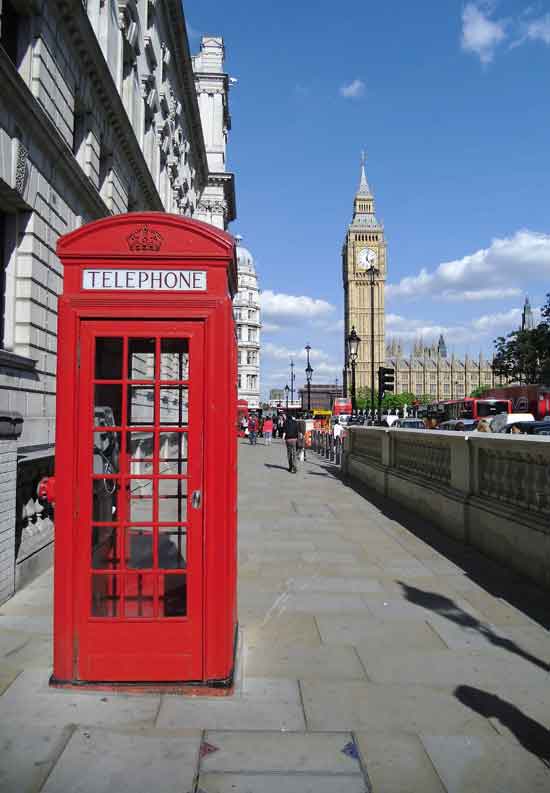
[367, 258]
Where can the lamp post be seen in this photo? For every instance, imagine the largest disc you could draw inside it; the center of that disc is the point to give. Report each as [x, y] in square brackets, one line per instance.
[372, 274]
[292, 376]
[309, 375]
[287, 389]
[353, 347]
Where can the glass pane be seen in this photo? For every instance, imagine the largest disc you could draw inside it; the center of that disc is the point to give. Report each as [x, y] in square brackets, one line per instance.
[104, 554]
[141, 405]
[173, 453]
[139, 598]
[174, 359]
[108, 405]
[172, 500]
[172, 547]
[106, 454]
[140, 447]
[105, 500]
[173, 595]
[105, 596]
[141, 359]
[139, 548]
[108, 359]
[140, 500]
[174, 405]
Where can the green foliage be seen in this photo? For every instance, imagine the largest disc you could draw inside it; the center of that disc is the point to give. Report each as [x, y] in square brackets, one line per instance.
[480, 391]
[523, 356]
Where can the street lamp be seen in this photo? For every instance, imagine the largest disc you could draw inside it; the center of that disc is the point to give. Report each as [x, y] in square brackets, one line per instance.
[309, 375]
[353, 348]
[292, 382]
[372, 274]
[287, 389]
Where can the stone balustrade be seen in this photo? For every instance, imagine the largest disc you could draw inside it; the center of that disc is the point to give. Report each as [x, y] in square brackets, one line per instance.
[488, 490]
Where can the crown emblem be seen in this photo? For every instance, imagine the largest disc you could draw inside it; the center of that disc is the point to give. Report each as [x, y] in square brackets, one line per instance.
[145, 239]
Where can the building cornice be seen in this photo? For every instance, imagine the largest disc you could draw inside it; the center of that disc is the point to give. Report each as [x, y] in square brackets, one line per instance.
[87, 46]
[34, 120]
[186, 75]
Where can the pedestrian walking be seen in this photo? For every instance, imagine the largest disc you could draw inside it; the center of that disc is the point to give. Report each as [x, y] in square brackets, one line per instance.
[301, 442]
[290, 437]
[252, 430]
[337, 430]
[281, 424]
[268, 430]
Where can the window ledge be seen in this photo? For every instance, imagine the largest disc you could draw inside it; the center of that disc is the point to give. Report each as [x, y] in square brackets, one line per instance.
[10, 360]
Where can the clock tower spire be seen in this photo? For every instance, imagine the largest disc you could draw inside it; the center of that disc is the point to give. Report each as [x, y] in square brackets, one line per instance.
[364, 277]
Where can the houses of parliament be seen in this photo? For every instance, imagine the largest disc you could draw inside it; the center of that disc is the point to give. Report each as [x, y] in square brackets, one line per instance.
[426, 370]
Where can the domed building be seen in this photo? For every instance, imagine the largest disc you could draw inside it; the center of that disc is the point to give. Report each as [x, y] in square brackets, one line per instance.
[246, 310]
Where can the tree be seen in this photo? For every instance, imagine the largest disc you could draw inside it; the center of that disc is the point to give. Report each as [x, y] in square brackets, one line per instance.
[480, 391]
[523, 356]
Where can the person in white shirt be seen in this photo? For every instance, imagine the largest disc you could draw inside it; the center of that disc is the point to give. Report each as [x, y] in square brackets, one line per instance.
[337, 429]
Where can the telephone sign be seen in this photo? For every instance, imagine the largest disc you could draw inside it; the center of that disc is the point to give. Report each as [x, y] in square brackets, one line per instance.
[145, 513]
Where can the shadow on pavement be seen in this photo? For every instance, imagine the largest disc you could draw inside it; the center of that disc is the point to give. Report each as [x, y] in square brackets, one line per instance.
[447, 608]
[282, 467]
[534, 737]
[495, 578]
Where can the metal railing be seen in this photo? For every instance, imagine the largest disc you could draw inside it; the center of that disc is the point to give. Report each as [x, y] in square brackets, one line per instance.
[327, 446]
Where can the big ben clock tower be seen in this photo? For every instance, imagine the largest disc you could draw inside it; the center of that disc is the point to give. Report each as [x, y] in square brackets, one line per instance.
[364, 274]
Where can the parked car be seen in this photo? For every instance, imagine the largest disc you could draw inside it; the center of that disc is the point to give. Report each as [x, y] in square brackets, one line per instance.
[503, 420]
[528, 428]
[409, 424]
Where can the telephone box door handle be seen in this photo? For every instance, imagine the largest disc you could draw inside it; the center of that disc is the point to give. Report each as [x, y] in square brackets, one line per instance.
[196, 499]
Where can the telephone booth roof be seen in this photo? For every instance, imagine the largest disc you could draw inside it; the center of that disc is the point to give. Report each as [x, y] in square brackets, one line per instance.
[157, 238]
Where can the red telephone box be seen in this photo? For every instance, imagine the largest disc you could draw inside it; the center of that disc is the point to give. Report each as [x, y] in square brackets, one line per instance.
[145, 514]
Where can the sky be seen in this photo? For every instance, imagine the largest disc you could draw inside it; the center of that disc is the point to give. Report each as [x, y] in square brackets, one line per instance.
[451, 101]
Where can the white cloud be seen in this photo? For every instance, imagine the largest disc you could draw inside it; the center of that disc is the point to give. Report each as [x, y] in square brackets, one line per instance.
[270, 327]
[279, 305]
[499, 270]
[353, 90]
[478, 330]
[480, 34]
[539, 29]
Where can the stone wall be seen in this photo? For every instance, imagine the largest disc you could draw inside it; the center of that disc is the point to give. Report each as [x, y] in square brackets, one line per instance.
[491, 491]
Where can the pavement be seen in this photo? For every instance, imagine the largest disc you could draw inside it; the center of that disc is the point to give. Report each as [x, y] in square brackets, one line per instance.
[374, 655]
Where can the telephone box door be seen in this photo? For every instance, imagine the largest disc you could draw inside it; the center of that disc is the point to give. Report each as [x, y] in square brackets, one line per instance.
[139, 577]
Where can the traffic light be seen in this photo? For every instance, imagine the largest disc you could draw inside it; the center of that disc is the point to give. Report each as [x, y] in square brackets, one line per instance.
[386, 380]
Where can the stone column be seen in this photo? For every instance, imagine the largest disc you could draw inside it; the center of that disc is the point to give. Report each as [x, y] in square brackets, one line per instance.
[11, 424]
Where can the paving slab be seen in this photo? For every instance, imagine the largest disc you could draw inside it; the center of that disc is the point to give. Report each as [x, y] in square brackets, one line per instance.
[470, 764]
[352, 705]
[97, 761]
[337, 584]
[28, 754]
[27, 623]
[496, 610]
[335, 663]
[8, 673]
[280, 752]
[446, 668]
[11, 641]
[283, 630]
[29, 700]
[280, 783]
[318, 602]
[263, 704]
[398, 763]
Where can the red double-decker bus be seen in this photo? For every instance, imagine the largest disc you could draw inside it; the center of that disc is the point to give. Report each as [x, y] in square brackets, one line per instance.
[466, 408]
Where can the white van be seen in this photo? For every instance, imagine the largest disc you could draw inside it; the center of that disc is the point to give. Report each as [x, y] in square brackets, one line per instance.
[498, 423]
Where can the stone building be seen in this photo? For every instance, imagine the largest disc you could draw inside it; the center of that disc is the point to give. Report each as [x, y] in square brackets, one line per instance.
[364, 267]
[99, 114]
[428, 370]
[246, 311]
